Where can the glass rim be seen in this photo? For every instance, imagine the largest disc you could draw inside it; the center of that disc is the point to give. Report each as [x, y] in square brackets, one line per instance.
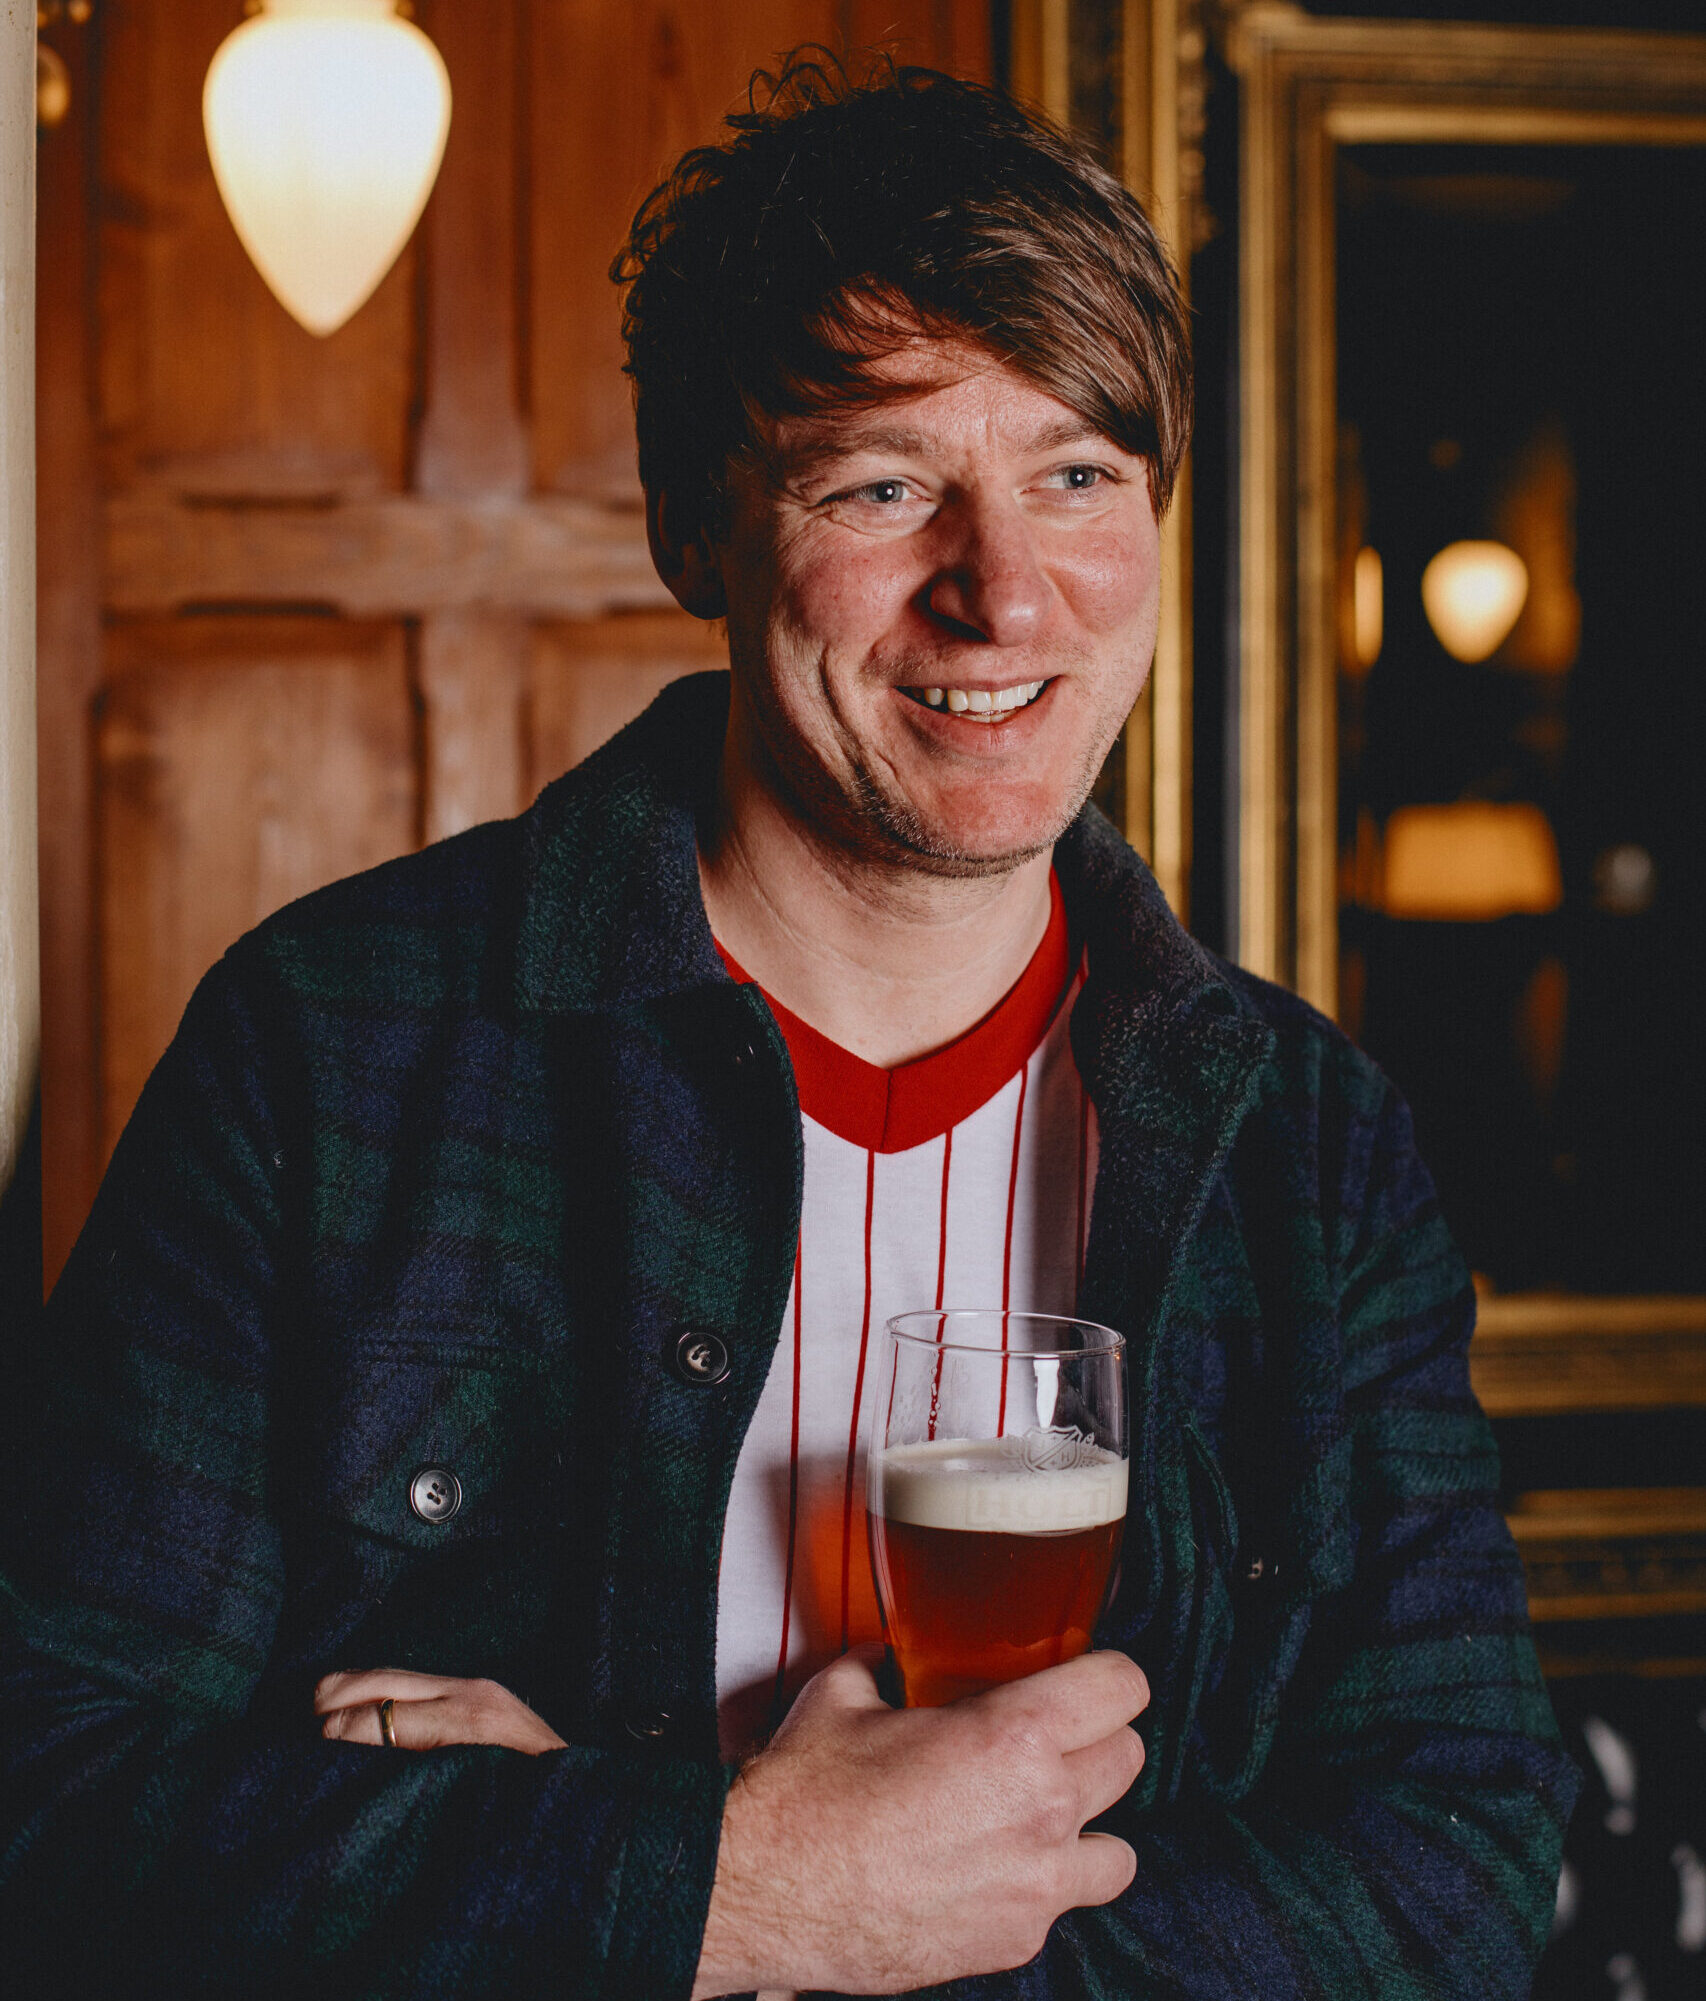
[935, 1315]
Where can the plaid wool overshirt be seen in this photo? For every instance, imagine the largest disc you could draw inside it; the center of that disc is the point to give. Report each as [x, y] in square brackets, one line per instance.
[441, 1165]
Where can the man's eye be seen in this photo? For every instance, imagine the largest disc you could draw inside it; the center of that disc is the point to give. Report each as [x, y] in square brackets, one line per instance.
[1079, 479]
[885, 492]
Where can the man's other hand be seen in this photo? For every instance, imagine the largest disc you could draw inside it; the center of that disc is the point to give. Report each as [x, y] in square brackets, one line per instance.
[428, 1711]
[870, 1850]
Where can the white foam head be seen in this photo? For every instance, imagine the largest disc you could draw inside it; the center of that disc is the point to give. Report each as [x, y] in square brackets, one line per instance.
[1043, 1483]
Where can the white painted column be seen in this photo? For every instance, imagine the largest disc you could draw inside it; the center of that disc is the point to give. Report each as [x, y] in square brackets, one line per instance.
[20, 960]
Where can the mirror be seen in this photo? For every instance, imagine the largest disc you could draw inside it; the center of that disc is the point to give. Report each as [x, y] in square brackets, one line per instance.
[1521, 823]
[1472, 697]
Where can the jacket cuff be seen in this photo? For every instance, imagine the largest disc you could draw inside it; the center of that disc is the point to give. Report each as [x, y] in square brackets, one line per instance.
[668, 1868]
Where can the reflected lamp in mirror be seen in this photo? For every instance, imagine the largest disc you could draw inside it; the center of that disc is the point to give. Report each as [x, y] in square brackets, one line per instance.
[1471, 862]
[1473, 593]
[326, 122]
[1368, 607]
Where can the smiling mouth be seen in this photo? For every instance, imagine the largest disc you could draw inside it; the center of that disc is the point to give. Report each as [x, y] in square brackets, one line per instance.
[979, 705]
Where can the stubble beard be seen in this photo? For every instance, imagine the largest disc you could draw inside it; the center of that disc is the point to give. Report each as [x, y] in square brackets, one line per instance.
[867, 824]
[880, 827]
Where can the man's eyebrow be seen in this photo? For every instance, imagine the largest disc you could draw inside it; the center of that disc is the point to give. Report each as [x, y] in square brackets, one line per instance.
[831, 441]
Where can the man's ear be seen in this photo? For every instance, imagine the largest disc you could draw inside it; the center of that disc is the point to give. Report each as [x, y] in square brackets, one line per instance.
[686, 558]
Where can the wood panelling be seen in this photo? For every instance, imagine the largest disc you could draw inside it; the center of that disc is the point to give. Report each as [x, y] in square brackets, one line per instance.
[662, 78]
[68, 646]
[668, 74]
[558, 558]
[473, 438]
[941, 34]
[589, 679]
[473, 681]
[362, 591]
[206, 383]
[239, 763]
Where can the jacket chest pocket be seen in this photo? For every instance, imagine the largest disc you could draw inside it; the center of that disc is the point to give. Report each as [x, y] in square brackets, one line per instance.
[428, 1446]
[426, 1513]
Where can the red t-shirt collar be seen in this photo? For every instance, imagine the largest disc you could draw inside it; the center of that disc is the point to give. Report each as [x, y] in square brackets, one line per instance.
[891, 1110]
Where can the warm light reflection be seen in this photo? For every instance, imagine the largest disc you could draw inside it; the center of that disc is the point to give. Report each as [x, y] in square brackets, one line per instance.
[1471, 862]
[1472, 593]
[1368, 602]
[326, 122]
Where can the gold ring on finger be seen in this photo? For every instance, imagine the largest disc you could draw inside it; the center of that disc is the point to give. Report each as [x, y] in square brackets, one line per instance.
[387, 1723]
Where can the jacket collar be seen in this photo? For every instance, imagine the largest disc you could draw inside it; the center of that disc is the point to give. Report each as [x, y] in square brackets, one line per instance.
[1171, 1049]
[611, 912]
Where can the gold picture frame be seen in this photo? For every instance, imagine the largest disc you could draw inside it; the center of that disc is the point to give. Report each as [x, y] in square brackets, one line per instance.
[1307, 87]
[1157, 111]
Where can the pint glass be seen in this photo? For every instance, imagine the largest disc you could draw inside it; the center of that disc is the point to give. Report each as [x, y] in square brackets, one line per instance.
[995, 1493]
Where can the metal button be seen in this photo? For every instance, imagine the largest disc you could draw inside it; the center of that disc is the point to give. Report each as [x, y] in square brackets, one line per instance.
[700, 1358]
[1257, 1568]
[647, 1729]
[435, 1494]
[743, 1053]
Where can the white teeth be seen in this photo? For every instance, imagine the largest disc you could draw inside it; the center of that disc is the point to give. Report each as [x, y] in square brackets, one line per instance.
[988, 704]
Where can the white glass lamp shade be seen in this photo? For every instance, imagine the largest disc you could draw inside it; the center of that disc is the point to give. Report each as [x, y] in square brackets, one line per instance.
[1472, 593]
[326, 122]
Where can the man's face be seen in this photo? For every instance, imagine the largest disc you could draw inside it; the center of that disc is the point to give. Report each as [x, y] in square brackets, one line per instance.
[941, 609]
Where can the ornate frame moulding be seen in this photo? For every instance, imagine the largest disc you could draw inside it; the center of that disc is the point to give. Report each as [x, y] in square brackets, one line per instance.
[1307, 87]
[1612, 1553]
[1159, 96]
[1555, 1353]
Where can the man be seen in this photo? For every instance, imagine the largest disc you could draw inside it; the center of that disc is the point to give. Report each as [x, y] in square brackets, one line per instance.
[477, 1307]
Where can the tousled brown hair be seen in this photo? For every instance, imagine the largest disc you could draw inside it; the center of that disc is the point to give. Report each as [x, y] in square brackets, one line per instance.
[846, 217]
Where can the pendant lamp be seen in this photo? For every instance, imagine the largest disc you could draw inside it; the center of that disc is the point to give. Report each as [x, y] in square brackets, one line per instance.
[1472, 593]
[326, 122]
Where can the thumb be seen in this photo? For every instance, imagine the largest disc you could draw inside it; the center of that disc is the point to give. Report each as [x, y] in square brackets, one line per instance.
[847, 1683]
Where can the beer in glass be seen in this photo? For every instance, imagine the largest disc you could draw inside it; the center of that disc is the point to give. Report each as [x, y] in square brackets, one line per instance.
[995, 1494]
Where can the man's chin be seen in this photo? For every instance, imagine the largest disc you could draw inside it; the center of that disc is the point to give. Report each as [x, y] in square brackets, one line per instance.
[968, 845]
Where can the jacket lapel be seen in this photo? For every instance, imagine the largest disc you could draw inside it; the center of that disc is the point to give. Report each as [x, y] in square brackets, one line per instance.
[611, 919]
[611, 913]
[1173, 1060]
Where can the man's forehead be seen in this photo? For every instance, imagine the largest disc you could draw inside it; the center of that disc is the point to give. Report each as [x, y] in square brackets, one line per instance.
[907, 416]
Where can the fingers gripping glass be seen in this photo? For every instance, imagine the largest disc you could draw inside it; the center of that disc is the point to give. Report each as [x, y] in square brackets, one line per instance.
[996, 1494]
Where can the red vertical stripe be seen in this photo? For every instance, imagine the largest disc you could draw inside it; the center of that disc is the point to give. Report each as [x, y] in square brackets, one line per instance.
[858, 1393]
[1007, 1252]
[941, 1280]
[942, 1253]
[793, 1495]
[1083, 1174]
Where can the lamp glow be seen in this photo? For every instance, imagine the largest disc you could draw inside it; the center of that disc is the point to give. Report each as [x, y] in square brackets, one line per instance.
[1472, 593]
[1471, 862]
[325, 122]
[1368, 601]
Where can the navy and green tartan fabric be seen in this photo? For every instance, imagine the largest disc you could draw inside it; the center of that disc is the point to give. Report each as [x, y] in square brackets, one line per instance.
[442, 1163]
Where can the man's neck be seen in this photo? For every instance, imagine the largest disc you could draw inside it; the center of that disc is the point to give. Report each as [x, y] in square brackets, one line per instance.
[890, 961]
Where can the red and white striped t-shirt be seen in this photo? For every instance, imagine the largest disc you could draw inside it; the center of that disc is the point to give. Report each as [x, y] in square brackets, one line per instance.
[962, 1179]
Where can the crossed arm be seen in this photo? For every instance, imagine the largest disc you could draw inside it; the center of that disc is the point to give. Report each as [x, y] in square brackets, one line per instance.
[868, 1850]
[1401, 1841]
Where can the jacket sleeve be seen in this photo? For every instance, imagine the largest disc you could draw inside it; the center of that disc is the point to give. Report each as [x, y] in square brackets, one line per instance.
[163, 1830]
[1402, 1842]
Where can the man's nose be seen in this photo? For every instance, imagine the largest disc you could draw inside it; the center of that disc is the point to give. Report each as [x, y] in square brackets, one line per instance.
[991, 581]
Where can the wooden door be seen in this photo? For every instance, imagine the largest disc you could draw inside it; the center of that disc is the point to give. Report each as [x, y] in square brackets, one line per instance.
[306, 604]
